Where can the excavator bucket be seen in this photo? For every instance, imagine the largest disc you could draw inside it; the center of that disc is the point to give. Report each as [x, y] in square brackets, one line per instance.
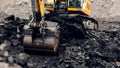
[33, 40]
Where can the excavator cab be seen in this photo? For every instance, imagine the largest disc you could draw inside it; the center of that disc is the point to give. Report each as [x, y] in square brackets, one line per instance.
[71, 6]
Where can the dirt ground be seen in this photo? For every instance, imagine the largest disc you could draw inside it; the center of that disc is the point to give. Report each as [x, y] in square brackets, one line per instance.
[20, 8]
[105, 8]
[99, 9]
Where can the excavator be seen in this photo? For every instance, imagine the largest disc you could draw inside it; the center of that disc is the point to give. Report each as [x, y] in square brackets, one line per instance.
[43, 31]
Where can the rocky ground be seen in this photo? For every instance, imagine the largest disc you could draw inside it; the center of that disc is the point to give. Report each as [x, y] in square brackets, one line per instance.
[100, 49]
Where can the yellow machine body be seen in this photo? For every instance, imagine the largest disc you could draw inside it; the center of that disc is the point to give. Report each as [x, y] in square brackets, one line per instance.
[40, 7]
[84, 7]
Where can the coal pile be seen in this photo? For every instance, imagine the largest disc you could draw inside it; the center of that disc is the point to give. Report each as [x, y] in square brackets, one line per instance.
[11, 51]
[99, 49]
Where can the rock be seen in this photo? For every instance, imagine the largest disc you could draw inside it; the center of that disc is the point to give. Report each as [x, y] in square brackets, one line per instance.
[15, 42]
[22, 59]
[4, 65]
[3, 46]
[18, 36]
[75, 49]
[110, 65]
[15, 66]
[60, 61]
[1, 53]
[6, 54]
[23, 56]
[10, 18]
[68, 66]
[118, 63]
[30, 65]
[1, 59]
[10, 60]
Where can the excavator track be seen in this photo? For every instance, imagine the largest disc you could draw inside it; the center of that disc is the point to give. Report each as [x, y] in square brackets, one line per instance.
[75, 26]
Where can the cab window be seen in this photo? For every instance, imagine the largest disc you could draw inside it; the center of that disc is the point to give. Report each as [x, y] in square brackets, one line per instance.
[74, 3]
[49, 3]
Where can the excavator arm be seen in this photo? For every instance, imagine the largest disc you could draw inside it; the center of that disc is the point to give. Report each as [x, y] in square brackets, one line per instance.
[42, 35]
[40, 7]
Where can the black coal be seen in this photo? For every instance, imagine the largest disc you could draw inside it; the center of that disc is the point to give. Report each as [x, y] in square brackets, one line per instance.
[98, 49]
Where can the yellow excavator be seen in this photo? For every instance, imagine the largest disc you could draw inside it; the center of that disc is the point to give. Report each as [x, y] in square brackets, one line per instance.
[44, 34]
